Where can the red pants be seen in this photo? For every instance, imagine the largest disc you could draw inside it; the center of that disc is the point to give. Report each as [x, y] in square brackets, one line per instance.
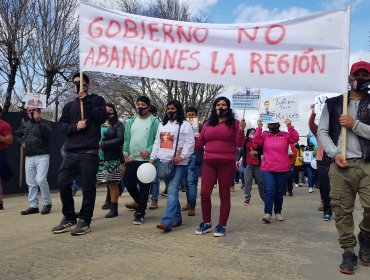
[223, 171]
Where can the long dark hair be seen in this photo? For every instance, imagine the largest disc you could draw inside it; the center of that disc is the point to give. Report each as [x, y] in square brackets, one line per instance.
[111, 105]
[213, 119]
[247, 134]
[180, 116]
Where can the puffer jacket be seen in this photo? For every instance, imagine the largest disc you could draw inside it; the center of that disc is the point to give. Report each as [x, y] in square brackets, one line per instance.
[35, 136]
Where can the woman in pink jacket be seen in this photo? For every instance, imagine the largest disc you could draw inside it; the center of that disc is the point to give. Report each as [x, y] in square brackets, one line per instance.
[275, 164]
[221, 135]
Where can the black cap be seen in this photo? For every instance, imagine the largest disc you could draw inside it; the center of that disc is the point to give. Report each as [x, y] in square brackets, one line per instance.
[144, 99]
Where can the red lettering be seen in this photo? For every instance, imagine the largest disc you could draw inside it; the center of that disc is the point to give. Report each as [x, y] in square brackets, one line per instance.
[114, 57]
[196, 35]
[98, 29]
[169, 60]
[111, 25]
[127, 55]
[156, 52]
[230, 62]
[181, 59]
[142, 29]
[167, 32]
[244, 31]
[181, 33]
[153, 28]
[283, 62]
[130, 29]
[270, 29]
[90, 56]
[315, 61]
[213, 62]
[255, 61]
[269, 62]
[103, 56]
[144, 55]
[192, 57]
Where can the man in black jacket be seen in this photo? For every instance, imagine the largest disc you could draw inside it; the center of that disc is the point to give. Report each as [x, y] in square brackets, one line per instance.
[81, 159]
[33, 136]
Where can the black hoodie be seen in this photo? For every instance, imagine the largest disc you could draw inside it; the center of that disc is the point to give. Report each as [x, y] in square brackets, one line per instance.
[95, 114]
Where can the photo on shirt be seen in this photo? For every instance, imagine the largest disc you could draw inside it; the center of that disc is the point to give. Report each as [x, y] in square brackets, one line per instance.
[167, 139]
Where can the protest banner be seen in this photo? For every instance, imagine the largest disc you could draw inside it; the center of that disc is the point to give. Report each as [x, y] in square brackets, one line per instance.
[308, 53]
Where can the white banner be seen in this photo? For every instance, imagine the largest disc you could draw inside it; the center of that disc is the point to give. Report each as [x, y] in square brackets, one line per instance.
[308, 53]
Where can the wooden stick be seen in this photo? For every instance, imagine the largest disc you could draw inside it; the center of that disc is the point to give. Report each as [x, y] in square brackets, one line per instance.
[344, 130]
[81, 103]
[243, 114]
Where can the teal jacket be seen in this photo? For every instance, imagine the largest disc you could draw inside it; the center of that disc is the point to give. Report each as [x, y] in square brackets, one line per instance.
[152, 134]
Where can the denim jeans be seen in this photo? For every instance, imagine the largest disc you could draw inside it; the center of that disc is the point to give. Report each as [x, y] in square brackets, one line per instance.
[309, 174]
[274, 183]
[36, 168]
[191, 180]
[173, 210]
[155, 188]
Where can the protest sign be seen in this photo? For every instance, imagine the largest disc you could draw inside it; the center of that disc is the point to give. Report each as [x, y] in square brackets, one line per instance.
[35, 100]
[308, 53]
[279, 109]
[194, 122]
[250, 100]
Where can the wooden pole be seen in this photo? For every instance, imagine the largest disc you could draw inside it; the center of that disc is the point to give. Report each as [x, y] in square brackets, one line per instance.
[81, 103]
[344, 130]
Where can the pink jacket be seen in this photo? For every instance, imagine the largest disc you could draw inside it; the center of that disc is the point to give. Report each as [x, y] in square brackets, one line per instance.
[220, 141]
[275, 149]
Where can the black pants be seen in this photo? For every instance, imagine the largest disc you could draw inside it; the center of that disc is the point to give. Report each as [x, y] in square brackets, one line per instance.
[84, 166]
[289, 181]
[139, 195]
[324, 182]
[296, 170]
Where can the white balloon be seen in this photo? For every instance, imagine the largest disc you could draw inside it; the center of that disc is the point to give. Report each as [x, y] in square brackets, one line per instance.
[146, 173]
[314, 164]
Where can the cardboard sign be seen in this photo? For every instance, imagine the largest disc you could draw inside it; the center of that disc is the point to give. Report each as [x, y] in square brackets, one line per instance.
[194, 122]
[308, 53]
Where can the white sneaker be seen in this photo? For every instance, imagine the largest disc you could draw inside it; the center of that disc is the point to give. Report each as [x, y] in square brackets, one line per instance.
[296, 186]
[310, 190]
[267, 218]
[279, 217]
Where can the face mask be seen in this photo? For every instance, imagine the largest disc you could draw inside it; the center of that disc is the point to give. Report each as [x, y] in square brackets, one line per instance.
[362, 85]
[274, 130]
[111, 116]
[222, 112]
[78, 88]
[250, 137]
[142, 111]
[172, 115]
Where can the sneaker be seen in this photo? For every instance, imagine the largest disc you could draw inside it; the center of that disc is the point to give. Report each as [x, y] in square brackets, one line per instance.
[153, 205]
[163, 194]
[247, 201]
[326, 217]
[29, 211]
[81, 228]
[349, 263]
[364, 252]
[203, 228]
[131, 206]
[310, 190]
[138, 220]
[267, 218]
[46, 209]
[290, 193]
[64, 226]
[279, 217]
[296, 186]
[220, 231]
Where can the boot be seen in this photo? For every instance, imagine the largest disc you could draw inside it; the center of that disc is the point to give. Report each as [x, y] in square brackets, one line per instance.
[185, 208]
[107, 204]
[191, 210]
[113, 211]
[153, 205]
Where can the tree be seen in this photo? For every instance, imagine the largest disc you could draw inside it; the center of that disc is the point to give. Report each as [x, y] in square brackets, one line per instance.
[16, 26]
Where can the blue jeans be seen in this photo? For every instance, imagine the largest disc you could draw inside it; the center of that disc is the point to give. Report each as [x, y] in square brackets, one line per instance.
[155, 188]
[309, 174]
[191, 180]
[173, 210]
[274, 183]
[36, 168]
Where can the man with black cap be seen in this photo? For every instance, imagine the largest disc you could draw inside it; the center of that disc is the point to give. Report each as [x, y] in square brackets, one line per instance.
[349, 174]
[81, 157]
[140, 135]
